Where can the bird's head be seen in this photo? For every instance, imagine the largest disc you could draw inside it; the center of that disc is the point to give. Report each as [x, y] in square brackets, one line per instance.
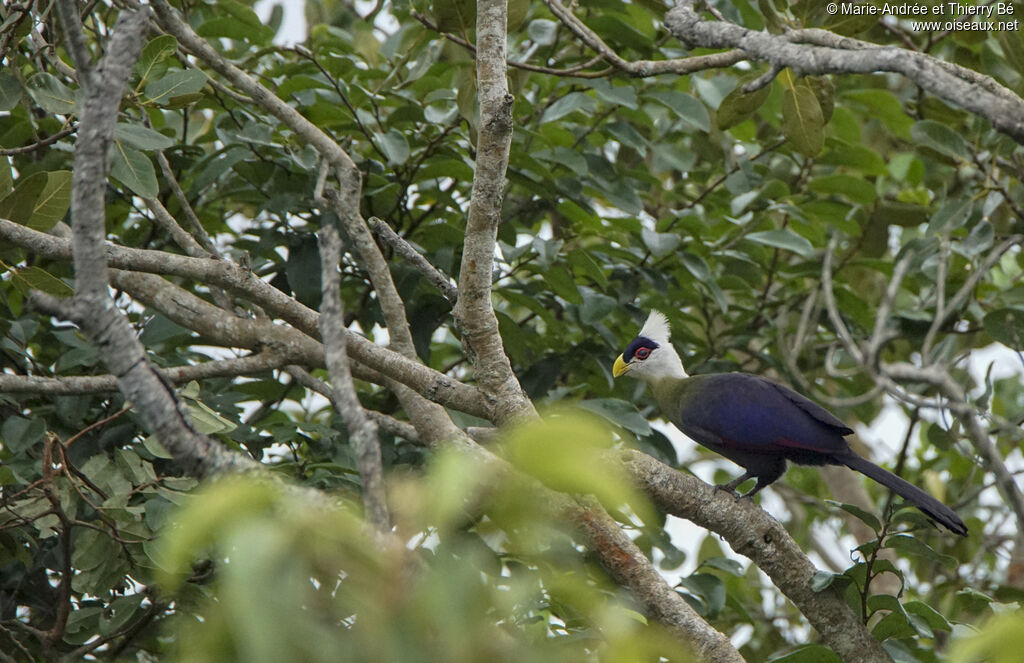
[650, 356]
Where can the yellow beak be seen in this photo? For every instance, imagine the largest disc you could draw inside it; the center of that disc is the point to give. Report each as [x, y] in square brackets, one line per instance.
[620, 367]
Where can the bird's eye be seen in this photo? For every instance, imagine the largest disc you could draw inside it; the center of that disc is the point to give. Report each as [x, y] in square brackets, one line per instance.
[642, 353]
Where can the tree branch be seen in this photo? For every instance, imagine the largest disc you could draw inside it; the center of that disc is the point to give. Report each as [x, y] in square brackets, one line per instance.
[218, 368]
[641, 68]
[403, 248]
[474, 313]
[753, 533]
[362, 430]
[91, 307]
[1001, 107]
[373, 359]
[628, 566]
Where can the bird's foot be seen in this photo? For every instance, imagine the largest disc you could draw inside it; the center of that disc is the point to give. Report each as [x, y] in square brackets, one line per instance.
[728, 488]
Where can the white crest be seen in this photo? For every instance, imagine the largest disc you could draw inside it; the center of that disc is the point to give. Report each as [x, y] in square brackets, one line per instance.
[656, 328]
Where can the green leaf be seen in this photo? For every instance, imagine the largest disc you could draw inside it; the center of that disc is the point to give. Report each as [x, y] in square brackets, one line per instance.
[856, 157]
[915, 546]
[52, 95]
[53, 201]
[855, 189]
[884, 105]
[687, 107]
[395, 146]
[802, 120]
[563, 284]
[696, 266]
[596, 307]
[574, 101]
[621, 95]
[620, 412]
[20, 205]
[824, 91]
[542, 31]
[153, 446]
[177, 83]
[930, 615]
[142, 137]
[1006, 325]
[564, 451]
[866, 517]
[202, 521]
[730, 566]
[153, 61]
[134, 170]
[950, 216]
[784, 239]
[241, 23]
[739, 105]
[822, 580]
[977, 241]
[660, 244]
[709, 589]
[940, 138]
[455, 16]
[10, 91]
[583, 263]
[6, 177]
[206, 420]
[18, 433]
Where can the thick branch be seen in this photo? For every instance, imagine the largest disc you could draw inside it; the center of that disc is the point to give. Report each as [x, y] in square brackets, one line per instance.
[628, 566]
[432, 384]
[92, 308]
[217, 325]
[473, 312]
[753, 533]
[1003, 109]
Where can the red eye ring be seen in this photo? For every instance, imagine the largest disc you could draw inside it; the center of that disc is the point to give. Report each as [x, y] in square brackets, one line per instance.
[642, 353]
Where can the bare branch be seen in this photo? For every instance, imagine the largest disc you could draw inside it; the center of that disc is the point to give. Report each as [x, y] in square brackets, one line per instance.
[956, 302]
[362, 430]
[74, 35]
[91, 307]
[219, 368]
[169, 225]
[751, 532]
[473, 312]
[373, 359]
[830, 302]
[385, 422]
[941, 379]
[628, 566]
[197, 227]
[1001, 107]
[403, 248]
[641, 68]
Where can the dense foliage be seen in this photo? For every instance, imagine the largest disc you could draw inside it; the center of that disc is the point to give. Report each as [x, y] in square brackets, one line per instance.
[742, 215]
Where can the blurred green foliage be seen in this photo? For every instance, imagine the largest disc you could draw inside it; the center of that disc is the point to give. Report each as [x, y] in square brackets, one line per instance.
[489, 573]
[624, 194]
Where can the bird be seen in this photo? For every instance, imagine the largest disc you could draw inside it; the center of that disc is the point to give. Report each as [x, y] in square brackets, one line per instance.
[755, 422]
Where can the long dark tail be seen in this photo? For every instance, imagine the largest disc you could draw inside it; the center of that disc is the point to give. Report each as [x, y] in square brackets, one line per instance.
[933, 508]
